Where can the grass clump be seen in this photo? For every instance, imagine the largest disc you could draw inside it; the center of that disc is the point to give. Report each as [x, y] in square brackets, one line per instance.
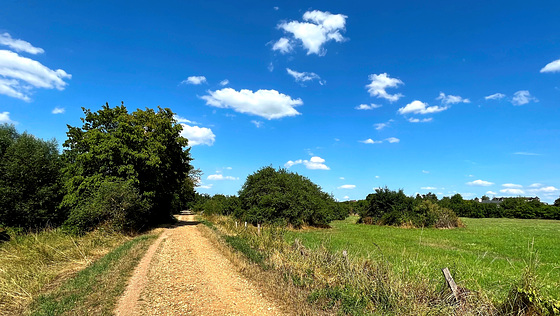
[34, 262]
[95, 290]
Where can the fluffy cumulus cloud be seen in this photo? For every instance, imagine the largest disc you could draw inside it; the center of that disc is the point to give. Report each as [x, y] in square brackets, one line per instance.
[224, 82]
[391, 140]
[315, 163]
[378, 85]
[522, 97]
[302, 77]
[20, 75]
[451, 99]
[5, 118]
[347, 186]
[198, 135]
[219, 176]
[512, 186]
[491, 193]
[269, 104]
[368, 107]
[495, 96]
[419, 107]
[313, 32]
[196, 80]
[417, 120]
[19, 45]
[552, 66]
[539, 188]
[510, 191]
[283, 45]
[480, 183]
[58, 110]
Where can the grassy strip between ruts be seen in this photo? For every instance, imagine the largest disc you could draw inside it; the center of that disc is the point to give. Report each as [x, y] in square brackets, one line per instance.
[337, 283]
[96, 289]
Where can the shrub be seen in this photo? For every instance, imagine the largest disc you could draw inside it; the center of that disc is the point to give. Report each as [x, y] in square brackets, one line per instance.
[116, 205]
[280, 196]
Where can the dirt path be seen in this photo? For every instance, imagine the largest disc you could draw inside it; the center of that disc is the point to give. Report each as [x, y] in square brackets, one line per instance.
[183, 274]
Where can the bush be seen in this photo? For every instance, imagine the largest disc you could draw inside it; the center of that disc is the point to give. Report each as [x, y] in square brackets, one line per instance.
[280, 196]
[386, 207]
[115, 205]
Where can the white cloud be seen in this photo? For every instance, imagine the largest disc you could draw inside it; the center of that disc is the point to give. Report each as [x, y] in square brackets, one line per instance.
[315, 163]
[205, 186]
[269, 104]
[224, 82]
[319, 27]
[198, 135]
[522, 97]
[347, 186]
[304, 76]
[270, 67]
[18, 75]
[341, 178]
[513, 191]
[451, 99]
[512, 186]
[539, 188]
[19, 45]
[58, 110]
[368, 107]
[276, 8]
[218, 177]
[196, 80]
[428, 188]
[425, 171]
[552, 66]
[523, 153]
[258, 124]
[346, 197]
[371, 141]
[480, 183]
[393, 140]
[536, 185]
[491, 193]
[417, 120]
[495, 96]
[180, 119]
[419, 107]
[380, 126]
[378, 85]
[284, 45]
[5, 118]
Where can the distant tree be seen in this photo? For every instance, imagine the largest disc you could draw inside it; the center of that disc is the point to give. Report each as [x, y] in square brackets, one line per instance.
[557, 202]
[30, 180]
[143, 151]
[485, 198]
[271, 195]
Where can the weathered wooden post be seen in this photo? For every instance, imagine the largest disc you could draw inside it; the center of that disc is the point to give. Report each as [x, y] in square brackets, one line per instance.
[259, 229]
[451, 283]
[245, 225]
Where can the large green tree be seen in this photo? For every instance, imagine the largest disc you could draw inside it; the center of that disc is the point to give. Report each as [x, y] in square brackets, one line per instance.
[29, 180]
[142, 151]
[271, 195]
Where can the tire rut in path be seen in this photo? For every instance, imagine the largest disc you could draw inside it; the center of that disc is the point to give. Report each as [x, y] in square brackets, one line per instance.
[187, 275]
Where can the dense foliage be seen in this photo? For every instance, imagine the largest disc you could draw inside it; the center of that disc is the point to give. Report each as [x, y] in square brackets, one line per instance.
[515, 207]
[271, 195]
[387, 207]
[29, 180]
[115, 154]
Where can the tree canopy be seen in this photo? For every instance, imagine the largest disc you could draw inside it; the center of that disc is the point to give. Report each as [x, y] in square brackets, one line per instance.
[141, 152]
[271, 195]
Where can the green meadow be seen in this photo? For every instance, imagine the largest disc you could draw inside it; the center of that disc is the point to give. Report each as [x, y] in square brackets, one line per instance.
[488, 255]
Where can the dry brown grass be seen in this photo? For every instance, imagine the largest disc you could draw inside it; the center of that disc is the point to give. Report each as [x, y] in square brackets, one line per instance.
[318, 281]
[37, 262]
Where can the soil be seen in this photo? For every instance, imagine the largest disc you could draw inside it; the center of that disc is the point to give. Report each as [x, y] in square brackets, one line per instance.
[183, 273]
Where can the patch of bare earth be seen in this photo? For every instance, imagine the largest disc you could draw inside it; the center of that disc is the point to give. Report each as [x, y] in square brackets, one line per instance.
[184, 274]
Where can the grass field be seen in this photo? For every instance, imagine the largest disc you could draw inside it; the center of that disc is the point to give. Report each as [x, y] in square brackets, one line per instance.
[487, 255]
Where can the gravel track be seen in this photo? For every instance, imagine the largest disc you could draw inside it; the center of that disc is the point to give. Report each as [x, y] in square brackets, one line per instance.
[184, 274]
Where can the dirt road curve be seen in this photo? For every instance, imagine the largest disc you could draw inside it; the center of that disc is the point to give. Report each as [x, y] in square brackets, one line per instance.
[183, 274]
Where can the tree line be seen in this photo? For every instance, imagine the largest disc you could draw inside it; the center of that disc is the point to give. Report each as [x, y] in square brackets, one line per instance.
[127, 171]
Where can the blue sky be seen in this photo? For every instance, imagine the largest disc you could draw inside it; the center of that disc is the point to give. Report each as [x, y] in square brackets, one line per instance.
[441, 96]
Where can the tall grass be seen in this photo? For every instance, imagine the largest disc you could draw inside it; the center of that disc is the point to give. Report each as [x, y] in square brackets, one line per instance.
[342, 281]
[35, 262]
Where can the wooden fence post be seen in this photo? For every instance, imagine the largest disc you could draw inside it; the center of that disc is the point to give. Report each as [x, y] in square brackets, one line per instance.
[451, 283]
[259, 229]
